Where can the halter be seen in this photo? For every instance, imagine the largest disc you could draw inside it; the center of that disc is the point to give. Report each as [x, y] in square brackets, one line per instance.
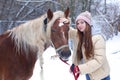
[59, 48]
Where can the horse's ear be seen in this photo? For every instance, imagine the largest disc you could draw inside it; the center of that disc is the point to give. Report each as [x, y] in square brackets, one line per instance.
[49, 14]
[66, 12]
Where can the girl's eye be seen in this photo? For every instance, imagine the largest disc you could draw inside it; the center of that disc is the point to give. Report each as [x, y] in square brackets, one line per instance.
[82, 22]
[77, 23]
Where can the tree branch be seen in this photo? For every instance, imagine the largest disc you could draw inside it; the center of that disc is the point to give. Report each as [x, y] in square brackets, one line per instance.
[21, 9]
[39, 6]
[105, 21]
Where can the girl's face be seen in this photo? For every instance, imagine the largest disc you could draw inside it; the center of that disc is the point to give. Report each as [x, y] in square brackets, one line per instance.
[81, 25]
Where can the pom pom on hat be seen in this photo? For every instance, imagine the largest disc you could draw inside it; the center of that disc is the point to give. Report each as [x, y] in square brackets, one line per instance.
[86, 16]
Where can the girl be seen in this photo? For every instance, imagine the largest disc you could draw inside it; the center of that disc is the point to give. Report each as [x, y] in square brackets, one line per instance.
[89, 55]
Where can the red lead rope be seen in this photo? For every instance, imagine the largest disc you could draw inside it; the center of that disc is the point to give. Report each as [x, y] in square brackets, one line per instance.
[76, 75]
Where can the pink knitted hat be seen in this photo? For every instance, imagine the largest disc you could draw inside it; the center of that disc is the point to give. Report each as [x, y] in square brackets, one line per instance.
[86, 16]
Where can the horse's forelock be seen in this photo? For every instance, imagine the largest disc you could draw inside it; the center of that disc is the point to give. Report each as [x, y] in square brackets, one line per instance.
[56, 15]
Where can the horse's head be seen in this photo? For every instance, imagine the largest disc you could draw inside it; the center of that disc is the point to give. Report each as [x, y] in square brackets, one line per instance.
[59, 34]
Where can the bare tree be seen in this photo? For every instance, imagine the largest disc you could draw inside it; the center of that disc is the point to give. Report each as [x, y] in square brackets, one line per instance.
[15, 12]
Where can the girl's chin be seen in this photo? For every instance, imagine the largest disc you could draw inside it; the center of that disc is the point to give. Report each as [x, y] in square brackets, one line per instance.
[81, 30]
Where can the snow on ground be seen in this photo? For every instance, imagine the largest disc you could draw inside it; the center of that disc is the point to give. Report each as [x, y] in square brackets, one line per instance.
[113, 55]
[54, 69]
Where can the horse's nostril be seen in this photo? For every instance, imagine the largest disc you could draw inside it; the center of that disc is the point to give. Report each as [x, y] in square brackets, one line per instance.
[69, 53]
[66, 54]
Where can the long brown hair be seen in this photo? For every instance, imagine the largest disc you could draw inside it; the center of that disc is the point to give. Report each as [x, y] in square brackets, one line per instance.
[85, 38]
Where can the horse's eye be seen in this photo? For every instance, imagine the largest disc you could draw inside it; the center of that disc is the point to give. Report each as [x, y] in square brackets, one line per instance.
[53, 30]
[63, 22]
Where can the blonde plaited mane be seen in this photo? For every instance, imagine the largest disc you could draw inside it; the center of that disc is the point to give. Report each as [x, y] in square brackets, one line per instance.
[32, 32]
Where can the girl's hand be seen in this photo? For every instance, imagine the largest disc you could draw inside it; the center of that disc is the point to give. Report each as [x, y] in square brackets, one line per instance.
[74, 69]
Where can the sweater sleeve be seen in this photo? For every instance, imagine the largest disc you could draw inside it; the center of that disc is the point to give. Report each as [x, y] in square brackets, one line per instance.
[98, 58]
[74, 38]
[72, 33]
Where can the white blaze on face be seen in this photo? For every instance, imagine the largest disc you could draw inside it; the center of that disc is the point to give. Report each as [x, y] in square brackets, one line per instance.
[63, 34]
[62, 21]
[61, 24]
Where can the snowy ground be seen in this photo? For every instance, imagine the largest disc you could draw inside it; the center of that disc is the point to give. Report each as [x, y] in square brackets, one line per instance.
[113, 54]
[54, 69]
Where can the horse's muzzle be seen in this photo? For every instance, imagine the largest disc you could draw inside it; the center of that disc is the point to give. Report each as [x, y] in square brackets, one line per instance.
[64, 55]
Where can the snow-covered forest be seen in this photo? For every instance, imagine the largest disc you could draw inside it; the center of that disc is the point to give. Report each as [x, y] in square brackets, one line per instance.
[106, 13]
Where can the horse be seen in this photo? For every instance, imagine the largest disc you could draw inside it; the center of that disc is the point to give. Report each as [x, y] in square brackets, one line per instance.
[22, 45]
